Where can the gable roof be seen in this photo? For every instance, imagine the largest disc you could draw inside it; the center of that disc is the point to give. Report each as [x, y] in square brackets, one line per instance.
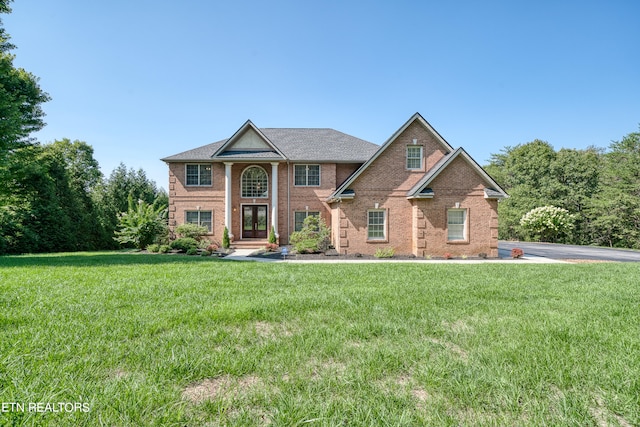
[422, 191]
[339, 193]
[293, 144]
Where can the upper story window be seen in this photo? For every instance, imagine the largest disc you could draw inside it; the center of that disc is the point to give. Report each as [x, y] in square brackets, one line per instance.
[307, 175]
[199, 174]
[254, 183]
[414, 157]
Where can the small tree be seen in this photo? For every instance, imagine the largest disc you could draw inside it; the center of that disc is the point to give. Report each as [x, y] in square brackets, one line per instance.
[314, 237]
[141, 224]
[272, 235]
[226, 242]
[548, 223]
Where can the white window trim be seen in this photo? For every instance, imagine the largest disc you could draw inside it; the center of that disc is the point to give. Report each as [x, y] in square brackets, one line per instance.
[421, 158]
[186, 179]
[465, 226]
[385, 227]
[199, 221]
[307, 174]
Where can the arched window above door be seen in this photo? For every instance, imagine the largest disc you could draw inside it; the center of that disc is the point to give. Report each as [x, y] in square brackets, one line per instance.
[255, 183]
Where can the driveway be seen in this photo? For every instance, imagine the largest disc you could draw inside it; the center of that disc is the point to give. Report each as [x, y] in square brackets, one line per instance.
[569, 252]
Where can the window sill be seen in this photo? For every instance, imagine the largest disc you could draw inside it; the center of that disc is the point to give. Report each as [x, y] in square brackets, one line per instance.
[458, 242]
[377, 240]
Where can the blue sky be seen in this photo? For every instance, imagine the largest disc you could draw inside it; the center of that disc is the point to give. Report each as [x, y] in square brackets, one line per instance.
[141, 79]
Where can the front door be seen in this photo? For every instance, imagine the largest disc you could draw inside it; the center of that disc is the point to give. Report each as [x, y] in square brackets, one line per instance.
[254, 222]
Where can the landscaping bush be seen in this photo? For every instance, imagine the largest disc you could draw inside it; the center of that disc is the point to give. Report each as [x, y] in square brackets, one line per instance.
[192, 251]
[314, 237]
[163, 249]
[205, 253]
[154, 247]
[212, 248]
[517, 253]
[385, 253]
[271, 247]
[194, 231]
[272, 235]
[184, 244]
[226, 242]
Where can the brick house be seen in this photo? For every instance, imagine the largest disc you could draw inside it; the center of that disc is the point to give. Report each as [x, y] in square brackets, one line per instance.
[414, 193]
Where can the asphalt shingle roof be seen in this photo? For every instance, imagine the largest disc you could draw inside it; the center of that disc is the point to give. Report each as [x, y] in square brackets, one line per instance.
[302, 144]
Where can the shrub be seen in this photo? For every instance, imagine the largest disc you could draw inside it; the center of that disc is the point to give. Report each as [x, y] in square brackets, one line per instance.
[271, 247]
[517, 253]
[184, 244]
[205, 253]
[447, 255]
[483, 255]
[164, 249]
[194, 231]
[212, 247]
[272, 235]
[548, 223]
[314, 237]
[154, 247]
[141, 224]
[192, 251]
[226, 242]
[385, 253]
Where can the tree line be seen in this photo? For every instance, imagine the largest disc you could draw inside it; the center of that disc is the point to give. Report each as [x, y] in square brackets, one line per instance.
[53, 197]
[599, 187]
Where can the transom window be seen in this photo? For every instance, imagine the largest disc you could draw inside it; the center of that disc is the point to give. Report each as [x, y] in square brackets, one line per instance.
[414, 157]
[254, 183]
[300, 216]
[376, 227]
[456, 224]
[307, 175]
[199, 174]
[203, 218]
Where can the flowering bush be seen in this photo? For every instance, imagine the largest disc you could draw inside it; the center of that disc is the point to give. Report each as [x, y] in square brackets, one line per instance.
[271, 247]
[547, 223]
[212, 247]
[517, 253]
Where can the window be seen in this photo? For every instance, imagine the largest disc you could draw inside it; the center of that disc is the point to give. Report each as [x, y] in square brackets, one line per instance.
[254, 183]
[199, 174]
[376, 226]
[203, 218]
[414, 157]
[456, 224]
[307, 175]
[299, 218]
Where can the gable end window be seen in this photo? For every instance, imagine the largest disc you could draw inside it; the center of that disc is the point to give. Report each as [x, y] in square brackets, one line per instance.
[306, 175]
[199, 175]
[414, 157]
[203, 218]
[300, 216]
[377, 224]
[456, 225]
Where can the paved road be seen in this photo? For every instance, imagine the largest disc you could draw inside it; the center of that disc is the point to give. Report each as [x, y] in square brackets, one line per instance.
[557, 251]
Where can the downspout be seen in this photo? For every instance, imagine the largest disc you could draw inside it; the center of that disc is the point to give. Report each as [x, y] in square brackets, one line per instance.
[288, 200]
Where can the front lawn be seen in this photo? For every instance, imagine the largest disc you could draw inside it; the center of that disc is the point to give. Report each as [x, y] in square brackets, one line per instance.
[174, 341]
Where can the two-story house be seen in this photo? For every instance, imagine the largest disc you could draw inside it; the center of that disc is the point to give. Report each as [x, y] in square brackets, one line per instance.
[414, 193]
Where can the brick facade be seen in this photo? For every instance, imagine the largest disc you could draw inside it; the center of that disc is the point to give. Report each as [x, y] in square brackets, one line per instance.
[412, 225]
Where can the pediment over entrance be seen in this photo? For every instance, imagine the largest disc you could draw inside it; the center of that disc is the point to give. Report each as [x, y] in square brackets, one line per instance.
[249, 141]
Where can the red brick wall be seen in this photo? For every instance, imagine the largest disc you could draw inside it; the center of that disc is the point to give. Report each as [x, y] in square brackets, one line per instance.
[417, 226]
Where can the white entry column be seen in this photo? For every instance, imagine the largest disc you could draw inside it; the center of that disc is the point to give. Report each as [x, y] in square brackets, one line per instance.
[274, 196]
[227, 195]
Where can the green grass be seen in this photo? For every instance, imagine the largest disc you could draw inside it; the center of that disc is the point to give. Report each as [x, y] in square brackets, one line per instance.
[175, 341]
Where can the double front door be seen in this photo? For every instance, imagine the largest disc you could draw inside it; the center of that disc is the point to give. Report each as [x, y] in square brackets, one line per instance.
[254, 221]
